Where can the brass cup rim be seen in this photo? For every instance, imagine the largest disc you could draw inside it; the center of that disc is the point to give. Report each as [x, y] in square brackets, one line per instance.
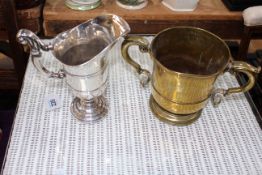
[190, 74]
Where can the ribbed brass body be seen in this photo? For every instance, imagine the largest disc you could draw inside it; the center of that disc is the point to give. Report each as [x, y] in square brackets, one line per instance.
[179, 93]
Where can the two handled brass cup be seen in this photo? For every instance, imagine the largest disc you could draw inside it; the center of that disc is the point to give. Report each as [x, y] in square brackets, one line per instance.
[186, 64]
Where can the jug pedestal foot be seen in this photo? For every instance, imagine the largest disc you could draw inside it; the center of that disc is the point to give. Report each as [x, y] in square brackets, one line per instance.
[89, 110]
[171, 118]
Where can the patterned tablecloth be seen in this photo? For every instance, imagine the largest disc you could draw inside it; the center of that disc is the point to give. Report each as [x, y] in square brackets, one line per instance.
[130, 140]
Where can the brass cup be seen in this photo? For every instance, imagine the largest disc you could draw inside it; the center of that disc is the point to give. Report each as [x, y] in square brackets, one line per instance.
[186, 64]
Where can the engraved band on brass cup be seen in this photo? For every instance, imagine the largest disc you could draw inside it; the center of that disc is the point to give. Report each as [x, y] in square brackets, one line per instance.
[177, 107]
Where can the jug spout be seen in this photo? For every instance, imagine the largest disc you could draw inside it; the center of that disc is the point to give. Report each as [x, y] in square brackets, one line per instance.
[115, 28]
[116, 25]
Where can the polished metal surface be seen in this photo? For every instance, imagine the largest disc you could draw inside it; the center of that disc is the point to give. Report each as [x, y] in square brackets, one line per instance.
[172, 118]
[89, 110]
[187, 62]
[82, 52]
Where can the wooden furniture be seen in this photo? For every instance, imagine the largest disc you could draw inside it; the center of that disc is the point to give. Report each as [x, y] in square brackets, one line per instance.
[26, 18]
[11, 79]
[253, 24]
[27, 4]
[237, 5]
[210, 14]
[10, 22]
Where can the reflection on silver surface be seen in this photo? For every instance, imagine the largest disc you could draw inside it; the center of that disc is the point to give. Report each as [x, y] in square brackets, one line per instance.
[82, 51]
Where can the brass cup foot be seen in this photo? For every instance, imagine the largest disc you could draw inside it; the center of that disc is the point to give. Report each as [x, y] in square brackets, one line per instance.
[89, 110]
[171, 118]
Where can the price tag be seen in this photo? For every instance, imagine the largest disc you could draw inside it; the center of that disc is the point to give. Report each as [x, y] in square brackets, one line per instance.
[52, 101]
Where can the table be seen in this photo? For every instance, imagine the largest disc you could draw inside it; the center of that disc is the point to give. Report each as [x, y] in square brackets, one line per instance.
[210, 14]
[130, 140]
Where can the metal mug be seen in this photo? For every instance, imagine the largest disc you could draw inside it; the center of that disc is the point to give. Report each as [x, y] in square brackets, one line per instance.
[82, 53]
[186, 64]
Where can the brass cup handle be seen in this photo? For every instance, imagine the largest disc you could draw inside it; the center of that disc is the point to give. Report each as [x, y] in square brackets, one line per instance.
[143, 44]
[237, 66]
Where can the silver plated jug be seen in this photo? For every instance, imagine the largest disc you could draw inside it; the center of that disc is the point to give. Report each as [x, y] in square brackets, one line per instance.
[82, 53]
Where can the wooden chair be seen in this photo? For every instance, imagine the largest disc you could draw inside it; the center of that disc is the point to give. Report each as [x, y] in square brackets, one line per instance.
[11, 20]
[11, 79]
[252, 25]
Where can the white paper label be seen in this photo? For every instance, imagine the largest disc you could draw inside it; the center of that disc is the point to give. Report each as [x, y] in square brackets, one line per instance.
[52, 101]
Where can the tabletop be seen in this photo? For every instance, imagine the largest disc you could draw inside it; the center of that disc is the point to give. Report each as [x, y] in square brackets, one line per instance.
[212, 15]
[129, 140]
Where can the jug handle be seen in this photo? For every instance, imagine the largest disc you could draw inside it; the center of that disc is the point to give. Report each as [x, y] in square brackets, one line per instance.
[234, 67]
[27, 37]
[143, 44]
